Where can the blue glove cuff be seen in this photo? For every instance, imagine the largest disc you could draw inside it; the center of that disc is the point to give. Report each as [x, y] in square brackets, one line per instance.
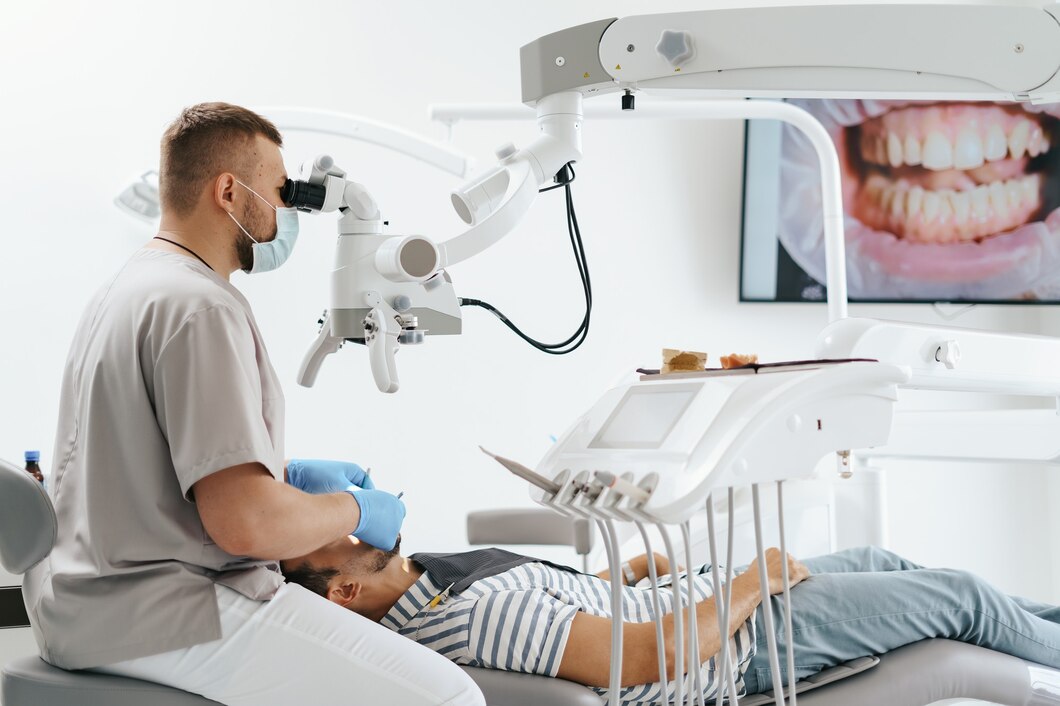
[363, 522]
[319, 476]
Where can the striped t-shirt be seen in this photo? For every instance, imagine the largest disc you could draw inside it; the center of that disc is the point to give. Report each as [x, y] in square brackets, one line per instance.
[519, 621]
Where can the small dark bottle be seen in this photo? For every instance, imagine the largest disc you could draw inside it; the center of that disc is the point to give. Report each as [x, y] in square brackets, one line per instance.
[32, 467]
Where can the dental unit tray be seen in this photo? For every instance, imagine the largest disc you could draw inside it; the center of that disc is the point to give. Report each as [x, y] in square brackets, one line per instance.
[677, 438]
[647, 373]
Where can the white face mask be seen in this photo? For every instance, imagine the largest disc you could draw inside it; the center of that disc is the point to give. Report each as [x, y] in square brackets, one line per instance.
[268, 256]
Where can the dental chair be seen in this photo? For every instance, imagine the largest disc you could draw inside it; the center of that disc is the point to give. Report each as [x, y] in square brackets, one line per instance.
[912, 676]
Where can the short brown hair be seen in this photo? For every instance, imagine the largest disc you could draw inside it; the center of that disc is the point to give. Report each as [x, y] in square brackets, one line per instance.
[316, 580]
[205, 140]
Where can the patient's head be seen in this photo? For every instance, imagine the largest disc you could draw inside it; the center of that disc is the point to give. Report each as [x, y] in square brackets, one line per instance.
[355, 575]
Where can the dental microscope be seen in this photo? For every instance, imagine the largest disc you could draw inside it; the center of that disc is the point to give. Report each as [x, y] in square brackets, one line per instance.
[392, 290]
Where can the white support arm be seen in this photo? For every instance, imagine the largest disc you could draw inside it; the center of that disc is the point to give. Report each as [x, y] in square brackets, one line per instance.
[831, 185]
[973, 50]
[518, 195]
[496, 201]
[356, 127]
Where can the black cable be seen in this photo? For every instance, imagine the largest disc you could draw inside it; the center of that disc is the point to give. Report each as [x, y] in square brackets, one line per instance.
[563, 177]
[576, 339]
[550, 188]
[579, 336]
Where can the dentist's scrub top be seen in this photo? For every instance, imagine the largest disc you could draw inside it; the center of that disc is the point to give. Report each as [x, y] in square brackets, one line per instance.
[167, 381]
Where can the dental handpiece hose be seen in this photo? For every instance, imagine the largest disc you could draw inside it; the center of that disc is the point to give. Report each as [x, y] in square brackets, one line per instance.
[679, 634]
[656, 606]
[610, 539]
[695, 664]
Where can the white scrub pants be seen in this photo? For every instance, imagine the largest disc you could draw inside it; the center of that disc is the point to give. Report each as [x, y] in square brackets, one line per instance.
[301, 649]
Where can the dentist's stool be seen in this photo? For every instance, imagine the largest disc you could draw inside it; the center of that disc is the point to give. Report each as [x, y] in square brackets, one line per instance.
[27, 534]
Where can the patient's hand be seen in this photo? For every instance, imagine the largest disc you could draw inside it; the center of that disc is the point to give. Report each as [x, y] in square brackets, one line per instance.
[797, 571]
[639, 566]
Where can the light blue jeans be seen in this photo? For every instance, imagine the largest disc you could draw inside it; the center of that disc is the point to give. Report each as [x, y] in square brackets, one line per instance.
[868, 601]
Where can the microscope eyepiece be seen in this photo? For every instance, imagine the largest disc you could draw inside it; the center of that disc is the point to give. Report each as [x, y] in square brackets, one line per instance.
[303, 195]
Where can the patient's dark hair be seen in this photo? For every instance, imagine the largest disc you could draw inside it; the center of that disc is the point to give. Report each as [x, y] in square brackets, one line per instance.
[316, 580]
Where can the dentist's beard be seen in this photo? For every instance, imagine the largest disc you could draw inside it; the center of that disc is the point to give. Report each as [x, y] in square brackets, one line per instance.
[258, 227]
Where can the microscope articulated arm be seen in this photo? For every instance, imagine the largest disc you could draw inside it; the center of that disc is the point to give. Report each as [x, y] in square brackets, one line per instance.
[495, 202]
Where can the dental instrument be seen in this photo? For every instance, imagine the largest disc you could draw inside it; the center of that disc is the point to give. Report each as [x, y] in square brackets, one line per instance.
[621, 485]
[526, 474]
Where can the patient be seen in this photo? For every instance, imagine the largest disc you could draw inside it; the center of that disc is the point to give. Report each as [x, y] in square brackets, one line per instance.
[490, 608]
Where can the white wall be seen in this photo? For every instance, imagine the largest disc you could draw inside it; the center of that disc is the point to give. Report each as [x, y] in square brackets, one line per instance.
[96, 84]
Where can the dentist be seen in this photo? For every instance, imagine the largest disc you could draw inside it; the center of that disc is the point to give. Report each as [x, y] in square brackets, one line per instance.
[169, 480]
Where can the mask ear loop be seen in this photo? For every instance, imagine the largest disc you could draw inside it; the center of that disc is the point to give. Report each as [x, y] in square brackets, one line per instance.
[242, 228]
[274, 208]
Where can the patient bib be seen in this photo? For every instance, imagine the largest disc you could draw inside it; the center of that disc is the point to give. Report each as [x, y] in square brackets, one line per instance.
[465, 568]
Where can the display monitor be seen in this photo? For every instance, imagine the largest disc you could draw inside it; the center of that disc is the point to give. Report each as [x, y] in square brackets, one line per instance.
[645, 416]
[943, 201]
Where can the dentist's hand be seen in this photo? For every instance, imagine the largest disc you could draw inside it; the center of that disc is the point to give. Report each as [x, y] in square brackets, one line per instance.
[319, 477]
[381, 518]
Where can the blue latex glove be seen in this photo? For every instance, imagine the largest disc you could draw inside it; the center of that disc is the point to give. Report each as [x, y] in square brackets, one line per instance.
[319, 477]
[381, 518]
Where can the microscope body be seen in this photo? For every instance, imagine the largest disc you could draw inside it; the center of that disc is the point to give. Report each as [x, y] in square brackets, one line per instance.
[392, 290]
[386, 290]
[432, 302]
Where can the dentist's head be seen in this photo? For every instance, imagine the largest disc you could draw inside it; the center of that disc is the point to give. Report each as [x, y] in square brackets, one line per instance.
[220, 178]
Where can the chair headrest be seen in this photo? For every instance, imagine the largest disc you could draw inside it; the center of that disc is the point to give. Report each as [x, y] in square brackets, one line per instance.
[27, 520]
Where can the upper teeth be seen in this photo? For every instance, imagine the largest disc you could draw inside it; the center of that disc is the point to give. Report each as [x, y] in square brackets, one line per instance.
[971, 149]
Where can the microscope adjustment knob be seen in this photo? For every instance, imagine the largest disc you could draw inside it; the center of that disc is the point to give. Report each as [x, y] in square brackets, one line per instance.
[949, 354]
[505, 151]
[676, 46]
[411, 337]
[402, 303]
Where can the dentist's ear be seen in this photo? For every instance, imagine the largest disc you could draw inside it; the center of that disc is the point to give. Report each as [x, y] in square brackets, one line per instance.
[344, 593]
[224, 187]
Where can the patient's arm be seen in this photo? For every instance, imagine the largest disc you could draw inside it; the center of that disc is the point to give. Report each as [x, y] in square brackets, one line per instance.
[639, 565]
[586, 658]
